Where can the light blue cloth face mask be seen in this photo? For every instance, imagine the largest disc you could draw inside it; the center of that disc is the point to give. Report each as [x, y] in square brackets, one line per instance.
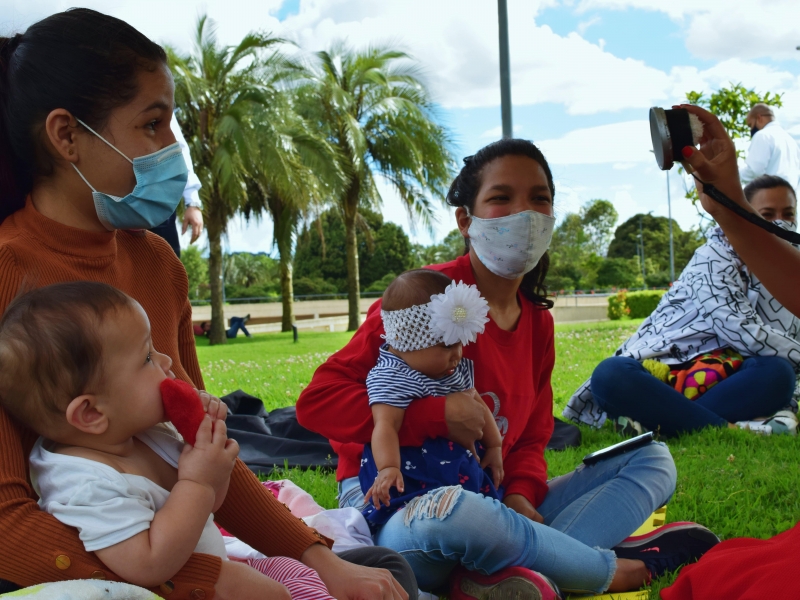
[160, 181]
[511, 246]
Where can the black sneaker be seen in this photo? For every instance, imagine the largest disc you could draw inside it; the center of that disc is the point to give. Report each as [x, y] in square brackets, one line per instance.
[668, 547]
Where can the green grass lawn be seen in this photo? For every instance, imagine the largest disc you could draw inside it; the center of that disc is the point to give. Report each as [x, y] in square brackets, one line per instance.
[734, 482]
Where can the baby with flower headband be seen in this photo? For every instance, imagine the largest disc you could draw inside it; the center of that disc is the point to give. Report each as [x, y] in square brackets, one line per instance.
[426, 318]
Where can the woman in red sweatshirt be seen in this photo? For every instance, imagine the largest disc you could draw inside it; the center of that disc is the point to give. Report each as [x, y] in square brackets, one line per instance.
[565, 528]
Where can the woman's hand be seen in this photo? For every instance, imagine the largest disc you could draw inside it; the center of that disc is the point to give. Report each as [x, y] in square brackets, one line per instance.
[388, 478]
[493, 458]
[346, 581]
[192, 217]
[465, 414]
[519, 503]
[715, 163]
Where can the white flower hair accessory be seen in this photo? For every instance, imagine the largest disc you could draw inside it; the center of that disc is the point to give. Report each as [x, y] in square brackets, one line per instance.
[457, 315]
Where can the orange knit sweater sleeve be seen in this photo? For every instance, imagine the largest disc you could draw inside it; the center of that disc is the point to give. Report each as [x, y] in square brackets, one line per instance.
[187, 349]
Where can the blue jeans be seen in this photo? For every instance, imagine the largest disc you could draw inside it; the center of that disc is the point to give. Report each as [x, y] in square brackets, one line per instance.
[237, 323]
[624, 388]
[586, 512]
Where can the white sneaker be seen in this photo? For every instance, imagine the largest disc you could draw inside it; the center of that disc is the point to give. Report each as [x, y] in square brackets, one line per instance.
[783, 422]
[756, 427]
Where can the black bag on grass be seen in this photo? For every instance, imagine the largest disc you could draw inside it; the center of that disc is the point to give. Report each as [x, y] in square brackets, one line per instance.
[565, 435]
[267, 440]
[274, 439]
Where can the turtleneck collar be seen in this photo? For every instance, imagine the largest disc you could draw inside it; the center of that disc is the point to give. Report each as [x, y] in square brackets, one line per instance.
[63, 238]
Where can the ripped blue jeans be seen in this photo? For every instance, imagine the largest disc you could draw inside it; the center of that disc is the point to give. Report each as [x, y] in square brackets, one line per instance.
[586, 512]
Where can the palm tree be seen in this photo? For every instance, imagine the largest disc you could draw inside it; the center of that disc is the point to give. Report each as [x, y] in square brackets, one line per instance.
[374, 108]
[294, 170]
[216, 88]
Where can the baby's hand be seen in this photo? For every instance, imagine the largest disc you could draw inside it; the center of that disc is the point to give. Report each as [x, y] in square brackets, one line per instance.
[210, 461]
[387, 479]
[215, 408]
[494, 460]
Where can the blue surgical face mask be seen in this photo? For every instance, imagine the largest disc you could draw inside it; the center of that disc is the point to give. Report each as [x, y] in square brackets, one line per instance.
[160, 181]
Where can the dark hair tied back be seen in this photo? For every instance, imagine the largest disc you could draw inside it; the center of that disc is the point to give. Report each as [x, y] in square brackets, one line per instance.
[79, 60]
[467, 183]
[7, 48]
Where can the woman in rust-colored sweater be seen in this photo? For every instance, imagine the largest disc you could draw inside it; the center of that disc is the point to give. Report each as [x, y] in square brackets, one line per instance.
[67, 77]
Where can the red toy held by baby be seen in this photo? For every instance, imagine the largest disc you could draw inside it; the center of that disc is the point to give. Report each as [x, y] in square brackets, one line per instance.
[182, 406]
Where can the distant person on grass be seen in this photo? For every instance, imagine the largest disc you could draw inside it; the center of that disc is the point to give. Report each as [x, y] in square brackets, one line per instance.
[87, 160]
[236, 324]
[572, 528]
[717, 351]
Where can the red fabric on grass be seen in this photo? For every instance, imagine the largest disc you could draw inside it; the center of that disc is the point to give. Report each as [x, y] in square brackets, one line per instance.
[743, 568]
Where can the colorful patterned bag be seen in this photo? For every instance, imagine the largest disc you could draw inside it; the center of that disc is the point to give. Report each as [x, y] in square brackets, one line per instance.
[704, 372]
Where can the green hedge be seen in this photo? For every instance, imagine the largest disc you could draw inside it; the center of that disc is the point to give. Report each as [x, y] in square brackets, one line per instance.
[642, 304]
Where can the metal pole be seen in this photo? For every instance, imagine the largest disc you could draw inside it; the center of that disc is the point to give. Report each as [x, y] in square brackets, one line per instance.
[505, 77]
[641, 242]
[671, 248]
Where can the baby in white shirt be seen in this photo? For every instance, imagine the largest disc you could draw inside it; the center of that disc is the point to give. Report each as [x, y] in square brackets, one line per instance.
[78, 366]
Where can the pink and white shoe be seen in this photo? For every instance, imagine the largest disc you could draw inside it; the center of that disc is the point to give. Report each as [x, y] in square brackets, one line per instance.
[507, 584]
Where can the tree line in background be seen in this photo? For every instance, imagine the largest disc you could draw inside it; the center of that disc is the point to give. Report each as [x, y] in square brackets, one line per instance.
[588, 252]
[320, 260]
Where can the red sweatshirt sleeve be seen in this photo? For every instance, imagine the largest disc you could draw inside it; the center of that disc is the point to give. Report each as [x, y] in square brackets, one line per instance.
[525, 465]
[335, 403]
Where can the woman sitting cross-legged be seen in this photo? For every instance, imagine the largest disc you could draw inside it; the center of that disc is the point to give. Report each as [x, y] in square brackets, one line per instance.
[718, 350]
[570, 528]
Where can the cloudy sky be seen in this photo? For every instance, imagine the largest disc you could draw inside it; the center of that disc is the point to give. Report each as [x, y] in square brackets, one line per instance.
[584, 73]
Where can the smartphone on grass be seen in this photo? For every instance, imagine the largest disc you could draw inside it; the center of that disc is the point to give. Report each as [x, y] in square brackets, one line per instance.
[617, 449]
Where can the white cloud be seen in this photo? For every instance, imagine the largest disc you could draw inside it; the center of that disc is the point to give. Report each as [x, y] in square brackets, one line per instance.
[495, 133]
[626, 142]
[394, 211]
[716, 29]
[165, 22]
[584, 25]
[456, 43]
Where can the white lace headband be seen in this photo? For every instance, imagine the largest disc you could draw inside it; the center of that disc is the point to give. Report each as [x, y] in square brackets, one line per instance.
[457, 315]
